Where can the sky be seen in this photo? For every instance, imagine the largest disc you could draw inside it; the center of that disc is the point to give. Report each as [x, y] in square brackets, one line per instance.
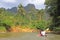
[39, 4]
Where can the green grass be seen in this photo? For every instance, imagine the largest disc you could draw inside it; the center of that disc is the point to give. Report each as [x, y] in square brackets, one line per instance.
[2, 28]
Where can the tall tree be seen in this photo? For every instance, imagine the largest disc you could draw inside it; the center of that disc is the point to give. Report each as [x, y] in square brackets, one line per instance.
[2, 10]
[51, 8]
[21, 9]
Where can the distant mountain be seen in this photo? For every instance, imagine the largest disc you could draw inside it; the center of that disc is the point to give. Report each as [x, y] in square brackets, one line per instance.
[28, 8]
[14, 10]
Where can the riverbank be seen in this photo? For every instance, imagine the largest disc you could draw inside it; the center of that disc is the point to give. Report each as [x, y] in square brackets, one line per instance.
[19, 29]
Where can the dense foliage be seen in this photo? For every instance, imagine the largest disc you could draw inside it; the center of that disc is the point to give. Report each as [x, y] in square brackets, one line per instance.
[32, 19]
[52, 9]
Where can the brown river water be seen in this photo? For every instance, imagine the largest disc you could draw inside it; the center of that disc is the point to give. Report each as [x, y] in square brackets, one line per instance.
[27, 36]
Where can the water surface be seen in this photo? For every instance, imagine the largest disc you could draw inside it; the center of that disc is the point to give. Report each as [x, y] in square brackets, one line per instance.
[27, 36]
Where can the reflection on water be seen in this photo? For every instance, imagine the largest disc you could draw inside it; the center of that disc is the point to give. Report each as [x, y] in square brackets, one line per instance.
[27, 36]
[5, 35]
[53, 37]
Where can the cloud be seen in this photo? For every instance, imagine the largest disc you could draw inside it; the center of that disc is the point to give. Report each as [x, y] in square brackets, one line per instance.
[42, 6]
[9, 1]
[37, 2]
[1, 4]
[14, 3]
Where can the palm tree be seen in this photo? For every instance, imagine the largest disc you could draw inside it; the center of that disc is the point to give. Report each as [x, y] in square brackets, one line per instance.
[21, 9]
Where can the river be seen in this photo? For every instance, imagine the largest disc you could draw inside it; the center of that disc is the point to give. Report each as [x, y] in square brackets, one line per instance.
[27, 36]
